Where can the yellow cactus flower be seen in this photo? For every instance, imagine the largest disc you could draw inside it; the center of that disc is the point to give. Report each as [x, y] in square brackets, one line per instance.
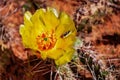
[49, 32]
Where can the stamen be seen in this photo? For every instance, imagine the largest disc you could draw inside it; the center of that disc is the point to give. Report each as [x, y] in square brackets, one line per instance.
[46, 40]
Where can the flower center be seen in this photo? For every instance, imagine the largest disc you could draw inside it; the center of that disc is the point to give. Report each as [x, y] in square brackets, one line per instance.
[46, 40]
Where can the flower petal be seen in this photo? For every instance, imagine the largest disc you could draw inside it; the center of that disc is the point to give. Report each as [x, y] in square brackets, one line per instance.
[25, 31]
[27, 17]
[65, 42]
[65, 58]
[44, 55]
[38, 24]
[55, 53]
[50, 19]
[66, 25]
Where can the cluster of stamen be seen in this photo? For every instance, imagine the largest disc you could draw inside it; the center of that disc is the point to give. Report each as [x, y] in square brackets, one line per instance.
[46, 40]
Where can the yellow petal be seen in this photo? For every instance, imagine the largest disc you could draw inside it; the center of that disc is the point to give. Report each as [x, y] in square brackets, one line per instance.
[67, 22]
[27, 17]
[50, 19]
[25, 36]
[55, 53]
[65, 42]
[28, 32]
[45, 18]
[25, 30]
[44, 55]
[38, 24]
[65, 58]
[66, 25]
[59, 31]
